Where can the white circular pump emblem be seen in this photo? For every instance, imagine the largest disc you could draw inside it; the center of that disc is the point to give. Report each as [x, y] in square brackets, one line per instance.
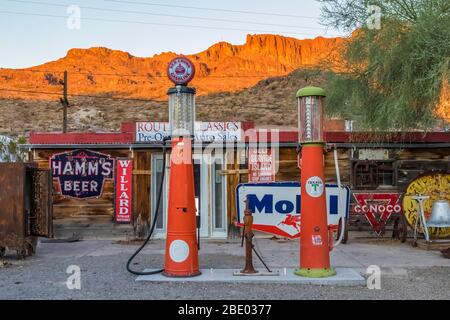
[314, 186]
[179, 250]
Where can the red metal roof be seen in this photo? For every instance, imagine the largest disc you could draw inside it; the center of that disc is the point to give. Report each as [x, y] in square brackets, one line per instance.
[387, 137]
[127, 136]
[81, 138]
[359, 137]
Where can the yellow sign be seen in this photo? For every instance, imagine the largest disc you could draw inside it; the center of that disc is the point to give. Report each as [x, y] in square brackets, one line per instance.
[436, 186]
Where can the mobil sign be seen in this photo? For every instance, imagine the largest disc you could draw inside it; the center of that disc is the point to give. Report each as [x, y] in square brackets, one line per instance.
[276, 206]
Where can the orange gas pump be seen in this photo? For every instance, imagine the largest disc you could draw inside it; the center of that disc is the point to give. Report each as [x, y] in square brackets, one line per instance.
[181, 259]
[181, 256]
[314, 240]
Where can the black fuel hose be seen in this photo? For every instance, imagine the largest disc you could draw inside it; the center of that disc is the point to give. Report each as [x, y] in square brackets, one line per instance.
[155, 218]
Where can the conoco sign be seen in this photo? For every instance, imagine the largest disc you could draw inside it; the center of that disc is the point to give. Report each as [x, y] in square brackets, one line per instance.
[81, 173]
[377, 208]
[180, 71]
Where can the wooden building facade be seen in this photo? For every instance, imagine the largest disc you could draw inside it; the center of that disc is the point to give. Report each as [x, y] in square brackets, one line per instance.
[368, 163]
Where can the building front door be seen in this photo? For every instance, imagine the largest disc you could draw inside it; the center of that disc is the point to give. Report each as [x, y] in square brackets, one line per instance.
[210, 195]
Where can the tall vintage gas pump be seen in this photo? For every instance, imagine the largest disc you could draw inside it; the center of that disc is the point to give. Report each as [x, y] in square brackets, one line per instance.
[314, 240]
[181, 257]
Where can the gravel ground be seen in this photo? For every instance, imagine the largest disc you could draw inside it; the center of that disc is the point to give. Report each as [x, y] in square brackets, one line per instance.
[407, 273]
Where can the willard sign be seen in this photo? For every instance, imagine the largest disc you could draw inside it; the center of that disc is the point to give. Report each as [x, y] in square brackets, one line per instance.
[81, 173]
[124, 185]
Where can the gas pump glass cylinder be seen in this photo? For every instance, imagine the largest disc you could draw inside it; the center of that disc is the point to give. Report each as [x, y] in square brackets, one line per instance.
[310, 115]
[181, 111]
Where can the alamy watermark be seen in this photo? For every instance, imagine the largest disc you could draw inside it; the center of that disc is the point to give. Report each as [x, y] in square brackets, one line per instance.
[373, 20]
[230, 152]
[74, 280]
[73, 21]
[374, 279]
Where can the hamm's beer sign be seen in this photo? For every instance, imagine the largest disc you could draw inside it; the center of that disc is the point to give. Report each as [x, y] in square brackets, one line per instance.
[81, 173]
[276, 206]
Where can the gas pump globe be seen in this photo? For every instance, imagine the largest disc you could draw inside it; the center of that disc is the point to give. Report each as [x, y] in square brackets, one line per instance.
[310, 114]
[181, 111]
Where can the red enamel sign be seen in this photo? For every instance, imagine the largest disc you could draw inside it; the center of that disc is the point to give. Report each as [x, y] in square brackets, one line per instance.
[181, 70]
[377, 207]
[124, 207]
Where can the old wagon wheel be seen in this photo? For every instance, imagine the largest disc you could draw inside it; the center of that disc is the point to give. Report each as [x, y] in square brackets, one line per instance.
[436, 185]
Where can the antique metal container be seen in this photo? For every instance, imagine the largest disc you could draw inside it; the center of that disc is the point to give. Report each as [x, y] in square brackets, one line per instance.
[25, 207]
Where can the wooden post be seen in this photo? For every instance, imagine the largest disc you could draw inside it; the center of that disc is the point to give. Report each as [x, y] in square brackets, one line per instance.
[65, 103]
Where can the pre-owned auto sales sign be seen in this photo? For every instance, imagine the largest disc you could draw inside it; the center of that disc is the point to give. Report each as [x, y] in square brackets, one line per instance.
[204, 131]
[276, 206]
[81, 173]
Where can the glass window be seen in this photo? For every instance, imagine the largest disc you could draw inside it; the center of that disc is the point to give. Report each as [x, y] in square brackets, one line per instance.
[219, 197]
[158, 170]
[197, 186]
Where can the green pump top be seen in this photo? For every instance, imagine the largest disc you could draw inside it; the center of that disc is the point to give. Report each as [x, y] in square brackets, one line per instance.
[310, 91]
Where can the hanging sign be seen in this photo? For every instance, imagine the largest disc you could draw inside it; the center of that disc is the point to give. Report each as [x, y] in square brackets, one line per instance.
[276, 206]
[81, 173]
[261, 165]
[377, 208]
[123, 191]
[373, 154]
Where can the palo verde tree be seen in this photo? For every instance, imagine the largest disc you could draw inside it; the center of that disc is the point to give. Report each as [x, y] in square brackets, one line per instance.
[396, 61]
[10, 151]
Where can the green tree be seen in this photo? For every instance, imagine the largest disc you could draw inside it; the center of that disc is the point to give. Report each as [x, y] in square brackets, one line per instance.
[393, 74]
[10, 151]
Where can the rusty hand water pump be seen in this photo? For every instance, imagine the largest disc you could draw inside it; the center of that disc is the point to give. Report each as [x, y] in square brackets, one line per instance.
[248, 236]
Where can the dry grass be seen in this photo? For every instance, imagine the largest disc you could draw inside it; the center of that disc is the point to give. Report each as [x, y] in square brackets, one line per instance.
[271, 102]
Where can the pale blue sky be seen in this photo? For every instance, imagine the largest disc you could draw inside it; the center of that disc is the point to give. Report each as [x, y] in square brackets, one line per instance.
[28, 40]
